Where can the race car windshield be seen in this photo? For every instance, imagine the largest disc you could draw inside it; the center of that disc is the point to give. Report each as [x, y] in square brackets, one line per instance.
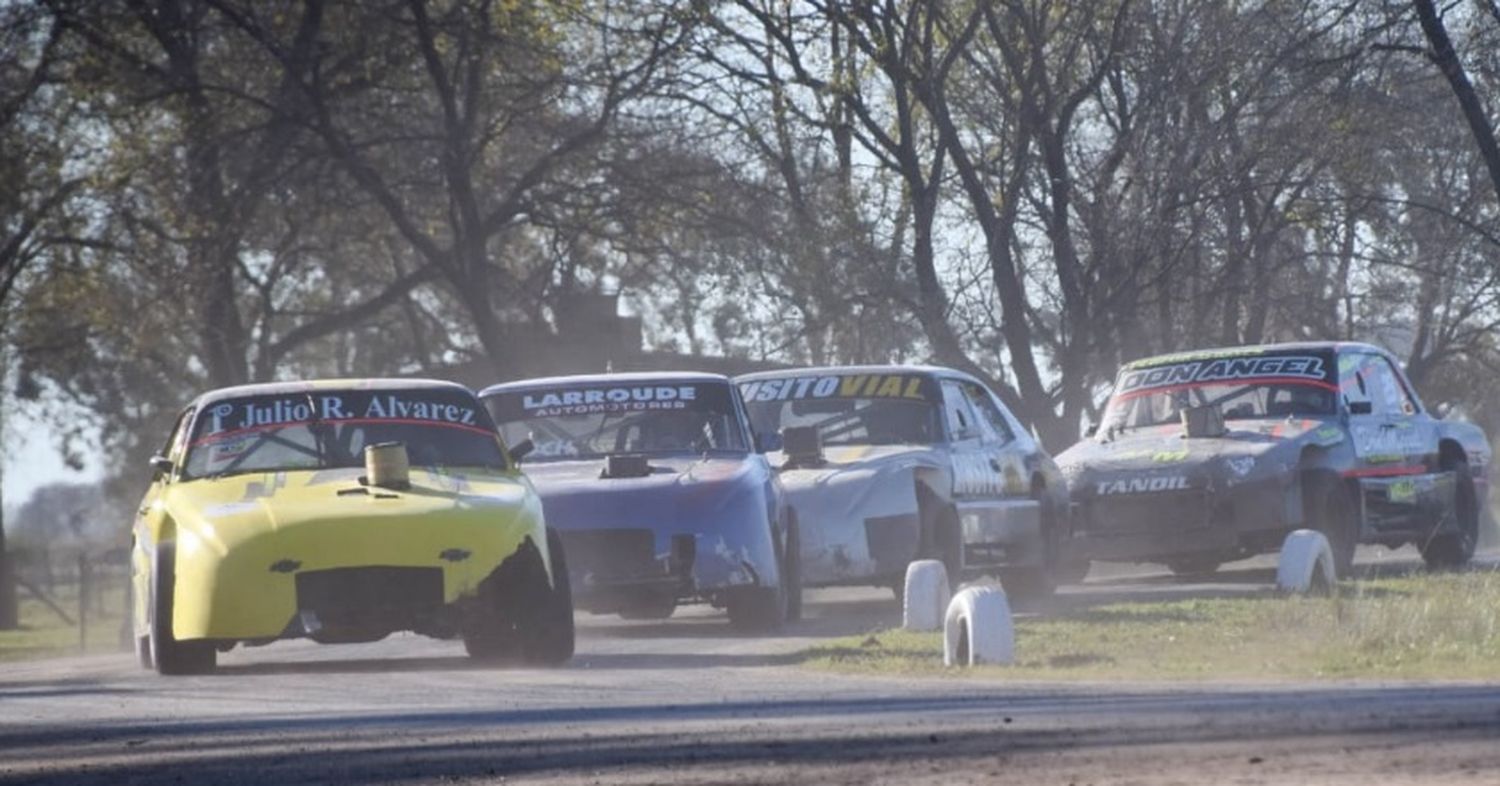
[855, 409]
[592, 421]
[330, 428]
[1242, 388]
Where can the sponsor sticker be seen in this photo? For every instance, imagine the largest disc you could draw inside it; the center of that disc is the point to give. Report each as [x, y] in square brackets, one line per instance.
[605, 398]
[905, 386]
[1309, 367]
[224, 421]
[1142, 485]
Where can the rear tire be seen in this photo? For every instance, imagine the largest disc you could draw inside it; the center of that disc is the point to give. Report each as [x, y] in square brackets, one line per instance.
[1454, 549]
[167, 655]
[1194, 565]
[1333, 512]
[649, 606]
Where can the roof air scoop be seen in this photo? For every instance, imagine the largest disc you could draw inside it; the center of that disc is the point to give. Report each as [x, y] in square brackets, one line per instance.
[1203, 422]
[625, 465]
[803, 446]
[387, 466]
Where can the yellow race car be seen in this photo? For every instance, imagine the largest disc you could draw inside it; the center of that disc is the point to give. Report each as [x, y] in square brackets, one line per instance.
[343, 511]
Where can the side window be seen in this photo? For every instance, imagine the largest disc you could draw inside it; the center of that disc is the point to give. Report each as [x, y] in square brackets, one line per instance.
[177, 442]
[996, 427]
[1365, 377]
[1355, 385]
[958, 414]
[1392, 391]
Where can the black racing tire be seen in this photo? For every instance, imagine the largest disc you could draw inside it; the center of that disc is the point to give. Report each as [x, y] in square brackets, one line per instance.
[791, 567]
[169, 656]
[946, 545]
[766, 609]
[1073, 571]
[520, 613]
[651, 605]
[548, 637]
[1194, 565]
[1455, 549]
[1035, 583]
[1332, 510]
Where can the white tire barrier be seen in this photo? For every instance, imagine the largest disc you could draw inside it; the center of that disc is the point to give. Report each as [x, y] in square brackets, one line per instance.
[926, 595]
[978, 628]
[1306, 564]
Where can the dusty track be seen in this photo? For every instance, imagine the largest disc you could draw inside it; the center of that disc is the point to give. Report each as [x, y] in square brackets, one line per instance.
[686, 702]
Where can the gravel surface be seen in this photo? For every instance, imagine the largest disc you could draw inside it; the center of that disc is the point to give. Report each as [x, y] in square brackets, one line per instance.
[685, 701]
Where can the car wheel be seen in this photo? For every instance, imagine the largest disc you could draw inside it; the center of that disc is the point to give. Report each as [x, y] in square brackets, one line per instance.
[764, 609]
[519, 613]
[1038, 582]
[657, 605]
[1334, 514]
[791, 568]
[547, 637]
[946, 545]
[1194, 565]
[168, 655]
[1452, 549]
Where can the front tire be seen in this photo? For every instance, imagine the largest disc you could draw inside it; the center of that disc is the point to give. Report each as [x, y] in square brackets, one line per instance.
[167, 655]
[1038, 582]
[1454, 549]
[1333, 512]
[766, 609]
[548, 639]
[521, 613]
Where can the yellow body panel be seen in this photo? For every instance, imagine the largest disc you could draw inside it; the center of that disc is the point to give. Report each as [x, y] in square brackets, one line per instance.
[228, 532]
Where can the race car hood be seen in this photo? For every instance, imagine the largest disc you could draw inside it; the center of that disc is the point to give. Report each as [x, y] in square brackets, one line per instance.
[574, 493]
[855, 482]
[221, 513]
[1160, 458]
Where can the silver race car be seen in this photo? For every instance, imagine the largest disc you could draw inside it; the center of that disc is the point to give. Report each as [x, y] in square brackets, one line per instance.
[889, 464]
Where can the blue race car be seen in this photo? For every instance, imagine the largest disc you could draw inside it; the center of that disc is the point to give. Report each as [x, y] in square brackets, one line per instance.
[660, 496]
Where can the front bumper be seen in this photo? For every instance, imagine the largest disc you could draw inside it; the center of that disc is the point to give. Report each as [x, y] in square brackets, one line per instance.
[380, 572]
[1247, 518]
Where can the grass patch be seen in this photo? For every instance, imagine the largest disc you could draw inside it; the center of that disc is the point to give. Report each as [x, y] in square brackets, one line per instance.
[1443, 626]
[44, 634]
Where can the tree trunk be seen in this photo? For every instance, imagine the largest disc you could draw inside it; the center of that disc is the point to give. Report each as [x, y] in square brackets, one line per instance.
[1446, 59]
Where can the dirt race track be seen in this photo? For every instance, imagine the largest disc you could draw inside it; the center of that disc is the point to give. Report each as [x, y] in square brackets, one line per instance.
[685, 701]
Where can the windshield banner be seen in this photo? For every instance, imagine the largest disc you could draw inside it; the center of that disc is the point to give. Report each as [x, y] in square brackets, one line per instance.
[1196, 372]
[908, 386]
[586, 400]
[436, 407]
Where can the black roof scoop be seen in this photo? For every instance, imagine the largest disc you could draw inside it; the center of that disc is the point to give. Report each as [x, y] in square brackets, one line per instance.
[625, 465]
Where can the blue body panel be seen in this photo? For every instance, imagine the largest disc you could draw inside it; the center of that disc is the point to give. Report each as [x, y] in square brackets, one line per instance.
[725, 504]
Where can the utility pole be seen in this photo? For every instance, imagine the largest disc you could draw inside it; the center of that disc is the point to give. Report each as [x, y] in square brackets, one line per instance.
[10, 608]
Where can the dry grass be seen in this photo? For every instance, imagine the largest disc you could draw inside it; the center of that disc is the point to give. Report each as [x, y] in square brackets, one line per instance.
[44, 634]
[1430, 626]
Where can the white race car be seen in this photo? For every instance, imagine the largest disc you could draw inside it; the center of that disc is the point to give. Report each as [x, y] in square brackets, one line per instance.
[889, 464]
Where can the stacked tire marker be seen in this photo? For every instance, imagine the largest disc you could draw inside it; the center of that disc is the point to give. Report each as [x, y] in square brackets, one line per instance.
[976, 623]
